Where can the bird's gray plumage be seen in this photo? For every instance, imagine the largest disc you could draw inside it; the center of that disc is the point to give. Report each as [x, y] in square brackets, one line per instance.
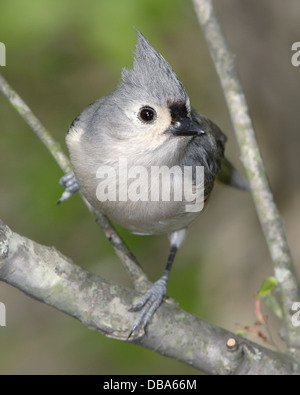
[113, 128]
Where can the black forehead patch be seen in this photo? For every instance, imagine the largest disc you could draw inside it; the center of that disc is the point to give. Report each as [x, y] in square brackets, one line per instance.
[178, 111]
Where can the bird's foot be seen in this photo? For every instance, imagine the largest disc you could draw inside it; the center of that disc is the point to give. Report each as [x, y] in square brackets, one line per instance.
[71, 186]
[148, 304]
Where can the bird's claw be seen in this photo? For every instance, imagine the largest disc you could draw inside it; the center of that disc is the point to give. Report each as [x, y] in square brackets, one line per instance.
[71, 186]
[148, 304]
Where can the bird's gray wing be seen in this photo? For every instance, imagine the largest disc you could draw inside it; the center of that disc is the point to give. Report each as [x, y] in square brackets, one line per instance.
[209, 151]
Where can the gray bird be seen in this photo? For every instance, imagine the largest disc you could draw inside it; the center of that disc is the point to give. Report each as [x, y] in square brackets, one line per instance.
[146, 123]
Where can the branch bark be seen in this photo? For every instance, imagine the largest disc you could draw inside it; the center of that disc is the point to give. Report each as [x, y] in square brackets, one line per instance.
[266, 208]
[46, 275]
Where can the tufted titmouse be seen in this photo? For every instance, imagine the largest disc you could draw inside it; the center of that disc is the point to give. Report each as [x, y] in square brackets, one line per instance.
[147, 124]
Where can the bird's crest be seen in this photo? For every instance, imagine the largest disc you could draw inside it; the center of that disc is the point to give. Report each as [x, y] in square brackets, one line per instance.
[152, 75]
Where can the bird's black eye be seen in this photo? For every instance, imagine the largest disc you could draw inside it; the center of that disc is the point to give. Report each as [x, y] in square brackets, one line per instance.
[147, 114]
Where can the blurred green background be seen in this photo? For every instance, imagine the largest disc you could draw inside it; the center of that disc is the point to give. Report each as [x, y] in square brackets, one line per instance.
[63, 55]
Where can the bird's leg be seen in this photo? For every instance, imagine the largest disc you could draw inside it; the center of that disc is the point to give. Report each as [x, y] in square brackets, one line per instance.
[153, 298]
[71, 186]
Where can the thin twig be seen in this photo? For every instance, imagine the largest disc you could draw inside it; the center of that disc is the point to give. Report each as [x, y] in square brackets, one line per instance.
[263, 198]
[21, 107]
[131, 264]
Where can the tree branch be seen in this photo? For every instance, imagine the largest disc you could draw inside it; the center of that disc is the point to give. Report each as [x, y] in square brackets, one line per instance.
[46, 275]
[268, 213]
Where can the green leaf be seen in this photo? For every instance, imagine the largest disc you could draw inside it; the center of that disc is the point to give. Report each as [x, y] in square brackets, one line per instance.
[242, 332]
[267, 286]
[273, 304]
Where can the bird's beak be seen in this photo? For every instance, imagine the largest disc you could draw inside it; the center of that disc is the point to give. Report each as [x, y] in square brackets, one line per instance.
[185, 127]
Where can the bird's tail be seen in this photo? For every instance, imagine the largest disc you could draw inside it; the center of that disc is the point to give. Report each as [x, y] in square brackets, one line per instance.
[229, 175]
